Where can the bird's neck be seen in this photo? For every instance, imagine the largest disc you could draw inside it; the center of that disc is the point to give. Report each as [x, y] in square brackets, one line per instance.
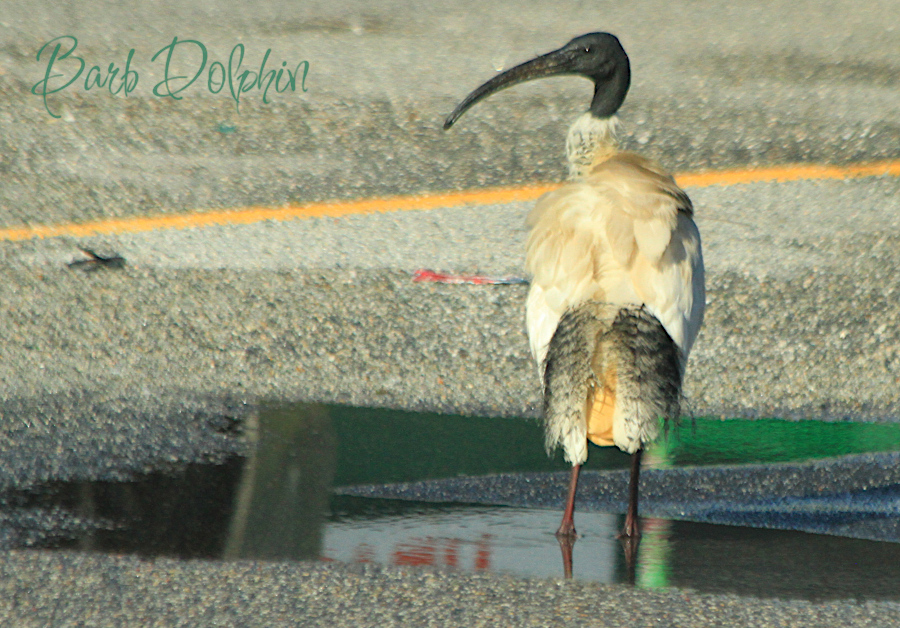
[591, 140]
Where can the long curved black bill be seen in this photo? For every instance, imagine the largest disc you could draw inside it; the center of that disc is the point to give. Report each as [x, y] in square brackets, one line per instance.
[556, 62]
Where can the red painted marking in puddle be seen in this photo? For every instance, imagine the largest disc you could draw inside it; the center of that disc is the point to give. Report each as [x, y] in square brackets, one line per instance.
[416, 554]
[483, 555]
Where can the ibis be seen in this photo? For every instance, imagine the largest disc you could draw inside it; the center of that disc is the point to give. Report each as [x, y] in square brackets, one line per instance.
[617, 283]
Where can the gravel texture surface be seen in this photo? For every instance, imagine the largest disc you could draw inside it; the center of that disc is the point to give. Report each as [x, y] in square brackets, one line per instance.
[123, 591]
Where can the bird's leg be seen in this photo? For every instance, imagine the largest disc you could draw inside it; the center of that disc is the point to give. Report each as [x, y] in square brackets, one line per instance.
[631, 535]
[632, 528]
[566, 533]
[567, 527]
[630, 546]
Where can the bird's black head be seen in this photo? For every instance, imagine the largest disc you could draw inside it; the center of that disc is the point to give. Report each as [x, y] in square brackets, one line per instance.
[597, 56]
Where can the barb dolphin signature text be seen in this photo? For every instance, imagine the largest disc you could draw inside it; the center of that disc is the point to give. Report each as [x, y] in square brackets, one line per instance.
[60, 57]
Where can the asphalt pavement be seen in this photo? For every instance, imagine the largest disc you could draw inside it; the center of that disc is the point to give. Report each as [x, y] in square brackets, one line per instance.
[115, 371]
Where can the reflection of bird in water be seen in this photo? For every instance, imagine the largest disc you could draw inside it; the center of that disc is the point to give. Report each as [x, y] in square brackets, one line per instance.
[617, 294]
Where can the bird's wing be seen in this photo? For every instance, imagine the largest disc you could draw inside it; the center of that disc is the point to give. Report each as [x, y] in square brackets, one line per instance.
[667, 265]
[566, 246]
[622, 235]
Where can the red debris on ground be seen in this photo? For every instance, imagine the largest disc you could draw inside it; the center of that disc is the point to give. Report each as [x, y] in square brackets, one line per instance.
[430, 275]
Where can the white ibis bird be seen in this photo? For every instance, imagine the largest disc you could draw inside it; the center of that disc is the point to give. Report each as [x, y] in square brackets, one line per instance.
[617, 289]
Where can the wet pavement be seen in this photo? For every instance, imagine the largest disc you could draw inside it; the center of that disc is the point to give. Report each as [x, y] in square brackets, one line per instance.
[320, 483]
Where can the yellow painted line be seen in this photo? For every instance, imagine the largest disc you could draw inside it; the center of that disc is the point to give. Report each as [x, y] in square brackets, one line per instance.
[789, 173]
[249, 215]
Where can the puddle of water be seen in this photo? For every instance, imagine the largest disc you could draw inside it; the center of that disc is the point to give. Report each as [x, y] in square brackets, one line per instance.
[381, 446]
[738, 441]
[517, 541]
[277, 504]
[179, 513]
[704, 557]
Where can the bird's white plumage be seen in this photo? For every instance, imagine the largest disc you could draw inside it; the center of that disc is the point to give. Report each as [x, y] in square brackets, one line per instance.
[620, 232]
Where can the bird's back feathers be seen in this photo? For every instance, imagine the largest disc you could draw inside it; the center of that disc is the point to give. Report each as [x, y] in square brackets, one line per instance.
[623, 235]
[612, 253]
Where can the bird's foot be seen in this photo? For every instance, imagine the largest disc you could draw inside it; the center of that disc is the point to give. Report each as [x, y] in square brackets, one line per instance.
[630, 538]
[632, 527]
[567, 531]
[567, 536]
[630, 547]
